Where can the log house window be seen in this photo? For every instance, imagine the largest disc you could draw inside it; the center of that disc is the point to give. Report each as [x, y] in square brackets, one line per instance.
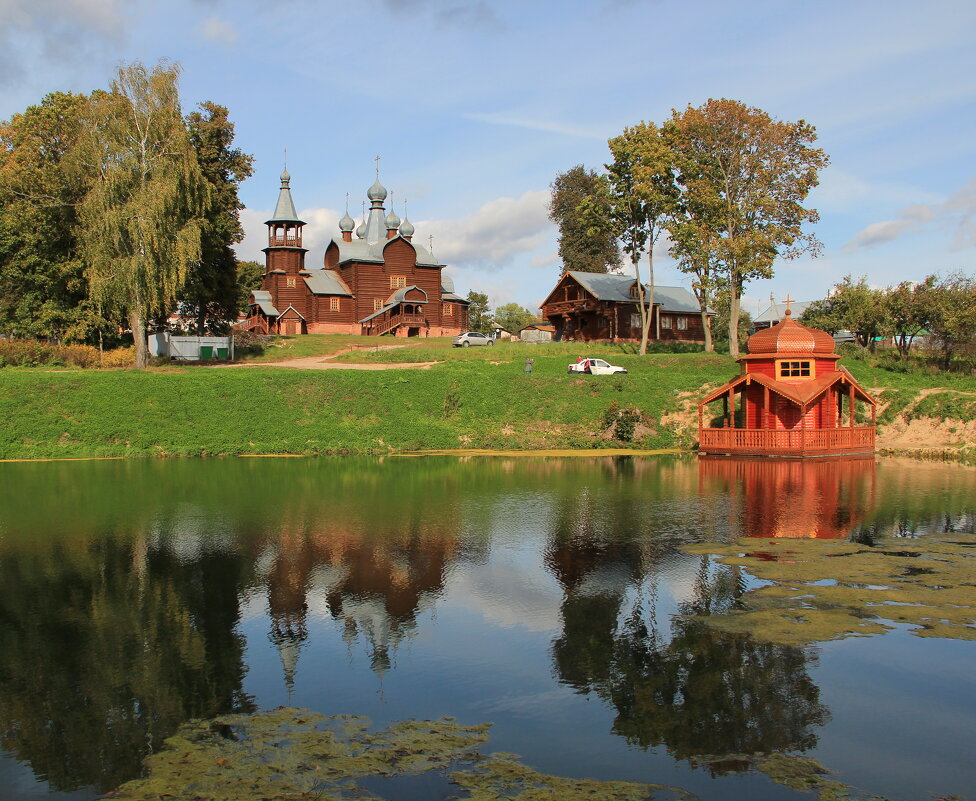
[398, 281]
[667, 321]
[448, 310]
[633, 291]
[635, 321]
[334, 304]
[682, 323]
[290, 282]
[377, 304]
[794, 369]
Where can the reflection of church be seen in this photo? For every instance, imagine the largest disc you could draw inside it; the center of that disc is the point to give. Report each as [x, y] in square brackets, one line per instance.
[375, 585]
[374, 282]
[794, 498]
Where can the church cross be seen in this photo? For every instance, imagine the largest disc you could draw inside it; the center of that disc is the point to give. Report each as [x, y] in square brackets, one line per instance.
[788, 301]
[347, 202]
[377, 168]
[430, 243]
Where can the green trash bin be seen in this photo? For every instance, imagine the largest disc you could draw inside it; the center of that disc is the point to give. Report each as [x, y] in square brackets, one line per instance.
[206, 352]
[222, 353]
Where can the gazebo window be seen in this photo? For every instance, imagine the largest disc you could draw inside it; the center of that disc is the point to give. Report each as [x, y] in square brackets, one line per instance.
[794, 369]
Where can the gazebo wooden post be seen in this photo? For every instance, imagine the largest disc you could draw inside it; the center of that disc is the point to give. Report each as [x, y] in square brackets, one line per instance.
[731, 407]
[803, 429]
[765, 408]
[850, 411]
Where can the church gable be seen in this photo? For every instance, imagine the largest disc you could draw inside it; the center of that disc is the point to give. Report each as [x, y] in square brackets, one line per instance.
[398, 254]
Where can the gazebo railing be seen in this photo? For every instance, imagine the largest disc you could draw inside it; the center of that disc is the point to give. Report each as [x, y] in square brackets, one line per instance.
[797, 440]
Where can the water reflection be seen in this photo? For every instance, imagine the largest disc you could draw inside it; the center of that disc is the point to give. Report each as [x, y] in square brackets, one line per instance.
[674, 682]
[817, 498]
[126, 589]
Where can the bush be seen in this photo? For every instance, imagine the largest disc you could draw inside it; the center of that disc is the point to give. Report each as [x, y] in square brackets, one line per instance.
[31, 353]
[247, 343]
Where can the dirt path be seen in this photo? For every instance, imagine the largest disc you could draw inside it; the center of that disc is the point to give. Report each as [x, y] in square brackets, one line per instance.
[324, 363]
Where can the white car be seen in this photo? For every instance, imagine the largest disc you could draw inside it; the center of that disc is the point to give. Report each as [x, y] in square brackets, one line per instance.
[470, 338]
[594, 367]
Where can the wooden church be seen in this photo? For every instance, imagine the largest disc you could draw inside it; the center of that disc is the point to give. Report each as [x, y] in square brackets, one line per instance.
[791, 398]
[378, 281]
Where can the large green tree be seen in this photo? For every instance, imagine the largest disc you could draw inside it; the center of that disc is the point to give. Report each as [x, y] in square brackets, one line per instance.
[43, 292]
[952, 315]
[479, 312]
[746, 176]
[513, 317]
[643, 199]
[853, 306]
[212, 291]
[141, 221]
[587, 242]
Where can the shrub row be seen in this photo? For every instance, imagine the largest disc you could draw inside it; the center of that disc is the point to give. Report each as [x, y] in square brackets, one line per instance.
[31, 353]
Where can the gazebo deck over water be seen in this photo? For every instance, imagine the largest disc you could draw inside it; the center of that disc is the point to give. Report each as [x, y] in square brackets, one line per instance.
[791, 398]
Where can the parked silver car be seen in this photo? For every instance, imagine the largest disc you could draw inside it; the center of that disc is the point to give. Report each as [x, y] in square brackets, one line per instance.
[472, 338]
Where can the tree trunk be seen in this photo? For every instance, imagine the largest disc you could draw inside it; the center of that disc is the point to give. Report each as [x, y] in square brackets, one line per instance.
[650, 301]
[734, 303]
[707, 328]
[139, 338]
[641, 307]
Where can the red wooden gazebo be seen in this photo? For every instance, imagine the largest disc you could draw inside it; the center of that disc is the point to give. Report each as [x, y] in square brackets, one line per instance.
[791, 398]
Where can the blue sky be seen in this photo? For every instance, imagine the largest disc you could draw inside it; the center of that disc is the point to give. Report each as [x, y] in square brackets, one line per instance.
[474, 106]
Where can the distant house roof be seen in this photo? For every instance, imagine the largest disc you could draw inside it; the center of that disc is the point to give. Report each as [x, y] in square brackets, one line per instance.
[539, 327]
[262, 300]
[616, 288]
[776, 311]
[326, 282]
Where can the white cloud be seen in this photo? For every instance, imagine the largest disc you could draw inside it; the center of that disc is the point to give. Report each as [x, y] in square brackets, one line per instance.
[215, 29]
[958, 212]
[56, 31]
[500, 230]
[503, 118]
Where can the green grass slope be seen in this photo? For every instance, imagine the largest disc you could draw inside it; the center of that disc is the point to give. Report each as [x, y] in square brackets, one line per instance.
[472, 400]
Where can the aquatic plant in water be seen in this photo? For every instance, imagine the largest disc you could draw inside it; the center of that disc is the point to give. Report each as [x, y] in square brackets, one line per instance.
[296, 754]
[826, 590]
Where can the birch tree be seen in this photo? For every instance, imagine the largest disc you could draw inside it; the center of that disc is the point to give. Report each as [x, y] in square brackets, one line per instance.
[750, 178]
[142, 219]
[643, 199]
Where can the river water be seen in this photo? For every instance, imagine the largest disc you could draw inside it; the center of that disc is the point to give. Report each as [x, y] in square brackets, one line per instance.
[547, 596]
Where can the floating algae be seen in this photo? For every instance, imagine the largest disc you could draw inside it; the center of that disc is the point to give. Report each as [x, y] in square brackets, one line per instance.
[795, 772]
[292, 753]
[825, 590]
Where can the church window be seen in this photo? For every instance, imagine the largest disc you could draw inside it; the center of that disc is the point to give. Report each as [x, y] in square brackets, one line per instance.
[334, 304]
[290, 281]
[398, 281]
[377, 304]
[682, 323]
[794, 369]
[667, 321]
[448, 310]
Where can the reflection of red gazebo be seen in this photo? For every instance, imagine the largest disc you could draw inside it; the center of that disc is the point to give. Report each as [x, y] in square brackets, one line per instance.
[795, 498]
[791, 399]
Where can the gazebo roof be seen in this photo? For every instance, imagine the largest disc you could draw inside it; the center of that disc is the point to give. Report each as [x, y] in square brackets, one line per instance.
[789, 336]
[800, 393]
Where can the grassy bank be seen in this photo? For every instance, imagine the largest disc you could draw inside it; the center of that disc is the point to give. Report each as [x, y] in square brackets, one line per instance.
[467, 402]
[477, 398]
